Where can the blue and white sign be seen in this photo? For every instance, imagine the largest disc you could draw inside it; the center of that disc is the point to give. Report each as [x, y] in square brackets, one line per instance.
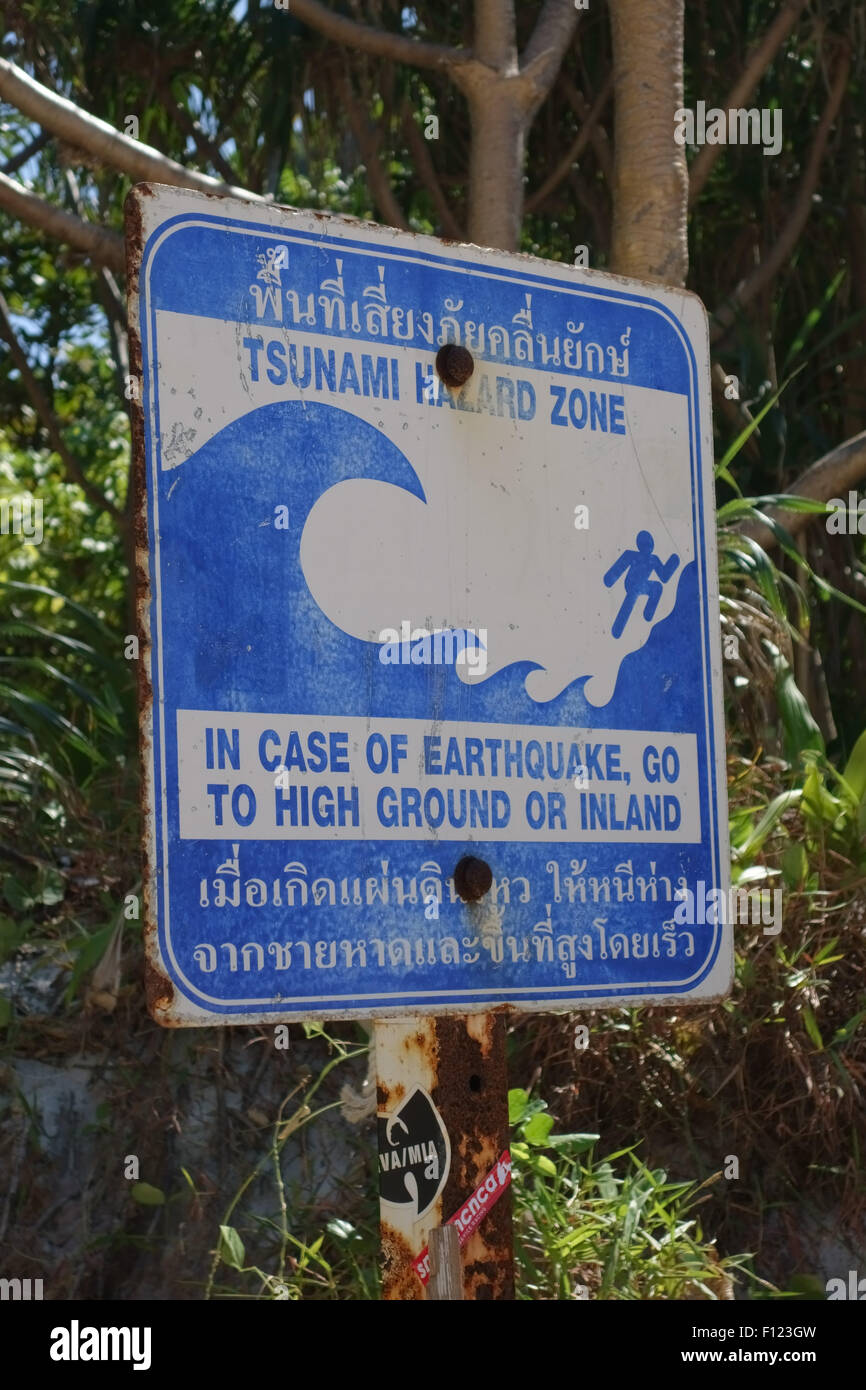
[393, 624]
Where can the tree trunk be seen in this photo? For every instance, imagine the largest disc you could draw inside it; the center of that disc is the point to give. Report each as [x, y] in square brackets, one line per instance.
[651, 182]
[492, 89]
[496, 163]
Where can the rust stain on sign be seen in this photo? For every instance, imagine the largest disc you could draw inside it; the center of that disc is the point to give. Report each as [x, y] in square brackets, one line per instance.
[159, 992]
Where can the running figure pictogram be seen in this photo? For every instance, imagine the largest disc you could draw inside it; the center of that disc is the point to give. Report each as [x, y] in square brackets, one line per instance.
[637, 566]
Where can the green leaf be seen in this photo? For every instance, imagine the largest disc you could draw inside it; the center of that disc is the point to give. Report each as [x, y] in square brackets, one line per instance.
[6, 1011]
[537, 1129]
[818, 803]
[855, 768]
[731, 453]
[808, 1287]
[12, 934]
[811, 1026]
[606, 1181]
[727, 477]
[231, 1248]
[757, 873]
[189, 1180]
[544, 1165]
[813, 317]
[824, 955]
[748, 508]
[795, 865]
[774, 812]
[52, 890]
[789, 502]
[518, 1105]
[343, 1230]
[577, 1143]
[847, 1031]
[146, 1195]
[801, 730]
[89, 953]
[90, 617]
[19, 898]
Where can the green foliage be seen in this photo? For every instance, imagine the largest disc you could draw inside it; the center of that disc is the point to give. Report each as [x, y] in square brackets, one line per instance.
[312, 1258]
[147, 1195]
[231, 1248]
[585, 1228]
[622, 1232]
[68, 692]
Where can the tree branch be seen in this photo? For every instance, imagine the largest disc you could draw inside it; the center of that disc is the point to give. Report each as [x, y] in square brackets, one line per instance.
[368, 144]
[651, 180]
[770, 266]
[589, 196]
[380, 41]
[757, 63]
[109, 298]
[834, 474]
[103, 246]
[15, 163]
[424, 164]
[600, 142]
[66, 120]
[43, 409]
[542, 57]
[494, 37]
[112, 303]
[738, 413]
[193, 131]
[575, 150]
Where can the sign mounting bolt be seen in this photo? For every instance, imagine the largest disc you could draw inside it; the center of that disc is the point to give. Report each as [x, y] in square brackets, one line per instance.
[472, 878]
[455, 366]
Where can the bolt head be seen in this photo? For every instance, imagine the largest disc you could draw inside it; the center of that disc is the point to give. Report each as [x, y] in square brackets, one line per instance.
[472, 878]
[455, 365]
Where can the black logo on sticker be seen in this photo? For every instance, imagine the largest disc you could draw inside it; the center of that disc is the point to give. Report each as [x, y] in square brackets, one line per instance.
[414, 1153]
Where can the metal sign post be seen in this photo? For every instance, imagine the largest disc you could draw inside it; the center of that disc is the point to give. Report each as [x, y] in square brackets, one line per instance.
[444, 1074]
[431, 691]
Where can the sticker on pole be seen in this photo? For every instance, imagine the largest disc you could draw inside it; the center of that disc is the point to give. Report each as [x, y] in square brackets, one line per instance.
[431, 711]
[414, 1154]
[469, 1217]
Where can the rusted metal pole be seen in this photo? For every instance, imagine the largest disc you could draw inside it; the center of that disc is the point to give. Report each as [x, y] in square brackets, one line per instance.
[458, 1066]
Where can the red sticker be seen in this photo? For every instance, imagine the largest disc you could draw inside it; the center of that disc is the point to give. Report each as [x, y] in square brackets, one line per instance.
[472, 1213]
